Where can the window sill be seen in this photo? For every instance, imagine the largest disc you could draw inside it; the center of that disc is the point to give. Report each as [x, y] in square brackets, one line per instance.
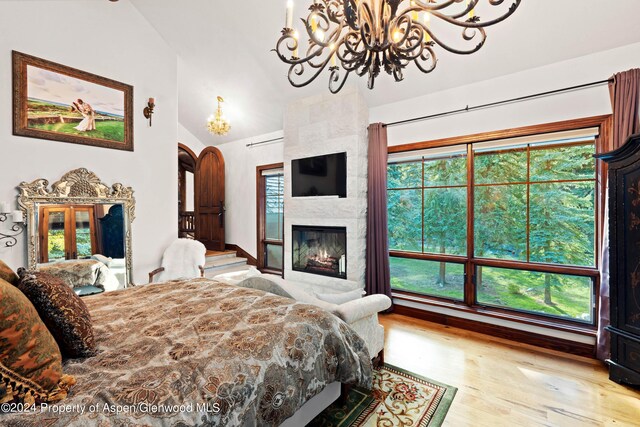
[529, 319]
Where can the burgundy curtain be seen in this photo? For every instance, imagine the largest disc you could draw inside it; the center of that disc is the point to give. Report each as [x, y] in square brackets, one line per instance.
[625, 100]
[377, 268]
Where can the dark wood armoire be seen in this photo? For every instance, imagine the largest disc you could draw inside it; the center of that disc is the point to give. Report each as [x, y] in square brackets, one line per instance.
[624, 252]
[113, 235]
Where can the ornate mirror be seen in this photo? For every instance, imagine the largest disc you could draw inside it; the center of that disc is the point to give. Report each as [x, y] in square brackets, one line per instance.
[81, 228]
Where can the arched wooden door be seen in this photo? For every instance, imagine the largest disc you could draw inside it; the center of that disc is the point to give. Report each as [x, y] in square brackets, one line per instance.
[209, 199]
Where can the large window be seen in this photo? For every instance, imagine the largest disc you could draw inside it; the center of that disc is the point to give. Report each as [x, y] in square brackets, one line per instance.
[428, 214]
[507, 224]
[270, 217]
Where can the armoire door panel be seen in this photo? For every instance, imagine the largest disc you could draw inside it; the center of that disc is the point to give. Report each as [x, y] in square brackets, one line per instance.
[624, 261]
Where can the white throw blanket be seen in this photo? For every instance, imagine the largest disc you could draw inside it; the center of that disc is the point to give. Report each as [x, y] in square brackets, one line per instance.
[182, 259]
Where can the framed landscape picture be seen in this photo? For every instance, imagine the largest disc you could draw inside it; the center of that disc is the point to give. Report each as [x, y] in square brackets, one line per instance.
[55, 102]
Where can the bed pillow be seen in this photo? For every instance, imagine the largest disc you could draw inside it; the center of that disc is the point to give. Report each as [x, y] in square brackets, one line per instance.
[264, 285]
[103, 259]
[7, 274]
[64, 313]
[340, 298]
[75, 272]
[30, 360]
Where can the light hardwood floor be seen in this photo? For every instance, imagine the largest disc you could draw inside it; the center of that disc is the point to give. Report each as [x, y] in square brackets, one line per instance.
[502, 383]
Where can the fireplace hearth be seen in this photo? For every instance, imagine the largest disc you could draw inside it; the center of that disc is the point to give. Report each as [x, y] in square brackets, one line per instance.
[320, 250]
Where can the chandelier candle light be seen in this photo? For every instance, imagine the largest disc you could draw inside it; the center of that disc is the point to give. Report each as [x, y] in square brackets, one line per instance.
[217, 124]
[368, 36]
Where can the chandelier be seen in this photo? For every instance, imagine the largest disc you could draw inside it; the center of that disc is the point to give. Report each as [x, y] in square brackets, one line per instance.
[368, 36]
[217, 124]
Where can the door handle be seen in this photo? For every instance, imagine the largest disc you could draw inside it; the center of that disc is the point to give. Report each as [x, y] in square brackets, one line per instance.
[221, 215]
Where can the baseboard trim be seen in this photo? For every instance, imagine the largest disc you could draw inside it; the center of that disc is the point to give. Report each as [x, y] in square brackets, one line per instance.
[242, 253]
[525, 337]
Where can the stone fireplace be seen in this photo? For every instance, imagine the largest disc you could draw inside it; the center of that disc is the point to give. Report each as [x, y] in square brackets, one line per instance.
[320, 250]
[316, 126]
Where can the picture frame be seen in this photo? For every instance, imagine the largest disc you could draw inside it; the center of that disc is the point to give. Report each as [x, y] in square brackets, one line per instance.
[55, 102]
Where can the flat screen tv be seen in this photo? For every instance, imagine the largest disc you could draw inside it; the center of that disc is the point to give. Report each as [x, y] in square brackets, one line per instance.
[319, 176]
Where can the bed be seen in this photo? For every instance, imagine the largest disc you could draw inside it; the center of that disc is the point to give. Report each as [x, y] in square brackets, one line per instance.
[201, 352]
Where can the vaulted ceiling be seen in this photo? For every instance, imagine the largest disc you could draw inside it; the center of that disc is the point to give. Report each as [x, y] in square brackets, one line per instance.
[224, 48]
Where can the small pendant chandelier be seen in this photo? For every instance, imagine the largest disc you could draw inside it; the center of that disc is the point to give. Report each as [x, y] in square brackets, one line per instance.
[369, 36]
[217, 124]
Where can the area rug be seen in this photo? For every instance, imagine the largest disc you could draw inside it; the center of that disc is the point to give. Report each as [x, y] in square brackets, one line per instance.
[398, 398]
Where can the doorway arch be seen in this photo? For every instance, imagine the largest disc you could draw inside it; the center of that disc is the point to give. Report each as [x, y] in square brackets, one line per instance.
[186, 192]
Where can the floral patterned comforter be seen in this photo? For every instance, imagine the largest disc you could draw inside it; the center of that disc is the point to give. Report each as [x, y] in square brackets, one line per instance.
[203, 353]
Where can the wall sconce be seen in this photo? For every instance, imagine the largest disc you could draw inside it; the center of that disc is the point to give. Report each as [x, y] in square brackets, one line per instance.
[17, 217]
[148, 110]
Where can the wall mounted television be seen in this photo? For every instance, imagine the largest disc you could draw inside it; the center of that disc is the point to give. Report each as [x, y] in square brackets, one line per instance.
[319, 176]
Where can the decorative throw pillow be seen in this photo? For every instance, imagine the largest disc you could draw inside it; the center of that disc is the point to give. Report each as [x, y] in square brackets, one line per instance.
[64, 313]
[30, 360]
[264, 285]
[7, 274]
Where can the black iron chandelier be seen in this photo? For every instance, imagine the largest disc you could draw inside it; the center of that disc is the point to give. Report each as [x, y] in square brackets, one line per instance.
[368, 36]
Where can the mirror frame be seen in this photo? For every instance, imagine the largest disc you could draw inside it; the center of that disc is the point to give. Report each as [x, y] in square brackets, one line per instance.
[79, 187]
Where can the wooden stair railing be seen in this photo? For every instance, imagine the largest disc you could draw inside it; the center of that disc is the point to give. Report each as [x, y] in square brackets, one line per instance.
[186, 224]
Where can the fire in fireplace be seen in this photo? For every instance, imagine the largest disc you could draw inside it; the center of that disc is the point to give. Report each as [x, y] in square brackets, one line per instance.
[320, 250]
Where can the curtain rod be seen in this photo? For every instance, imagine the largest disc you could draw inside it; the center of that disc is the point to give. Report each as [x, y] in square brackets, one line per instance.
[497, 103]
[265, 142]
[476, 107]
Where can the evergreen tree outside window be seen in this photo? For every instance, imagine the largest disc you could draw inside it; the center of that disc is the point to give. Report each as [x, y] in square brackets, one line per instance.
[529, 210]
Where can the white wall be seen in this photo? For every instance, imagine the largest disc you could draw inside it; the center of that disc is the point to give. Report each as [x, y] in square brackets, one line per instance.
[583, 103]
[115, 41]
[187, 138]
[240, 175]
[190, 190]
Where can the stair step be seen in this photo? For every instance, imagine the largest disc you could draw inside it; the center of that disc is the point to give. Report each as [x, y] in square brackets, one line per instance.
[213, 256]
[225, 262]
[210, 273]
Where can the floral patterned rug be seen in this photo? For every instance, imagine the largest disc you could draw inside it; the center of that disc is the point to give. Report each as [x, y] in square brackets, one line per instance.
[398, 398]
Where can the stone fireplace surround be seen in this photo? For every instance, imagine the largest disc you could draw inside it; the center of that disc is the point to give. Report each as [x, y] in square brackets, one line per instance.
[316, 126]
